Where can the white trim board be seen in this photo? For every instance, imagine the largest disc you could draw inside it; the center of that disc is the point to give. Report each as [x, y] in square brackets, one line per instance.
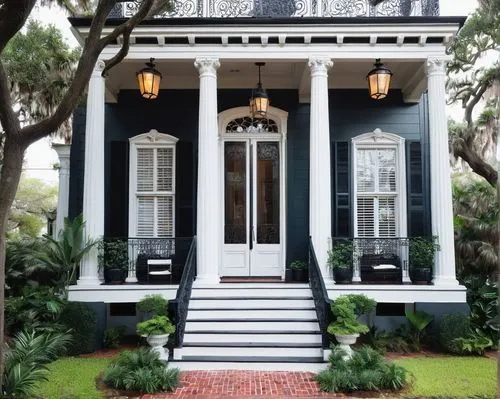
[118, 293]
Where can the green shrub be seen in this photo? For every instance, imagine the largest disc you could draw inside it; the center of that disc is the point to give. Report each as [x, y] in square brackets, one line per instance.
[341, 256]
[298, 265]
[141, 371]
[346, 310]
[156, 304]
[113, 336]
[26, 359]
[367, 370]
[81, 320]
[419, 320]
[157, 325]
[451, 327]
[475, 343]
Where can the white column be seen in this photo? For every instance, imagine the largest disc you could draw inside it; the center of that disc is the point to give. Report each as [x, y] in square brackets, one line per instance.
[93, 184]
[208, 218]
[320, 215]
[441, 200]
[63, 152]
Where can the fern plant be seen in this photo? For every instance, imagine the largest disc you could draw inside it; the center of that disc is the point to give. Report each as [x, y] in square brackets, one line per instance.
[157, 325]
[141, 371]
[346, 310]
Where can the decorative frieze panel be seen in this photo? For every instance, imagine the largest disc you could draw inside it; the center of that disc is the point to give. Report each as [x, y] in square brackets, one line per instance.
[287, 8]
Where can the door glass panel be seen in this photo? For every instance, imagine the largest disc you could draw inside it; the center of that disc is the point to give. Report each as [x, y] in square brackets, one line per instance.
[235, 192]
[268, 193]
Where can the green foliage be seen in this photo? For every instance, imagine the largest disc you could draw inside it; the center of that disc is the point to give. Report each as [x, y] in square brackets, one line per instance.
[36, 307]
[367, 370]
[341, 256]
[421, 251]
[155, 304]
[26, 360]
[68, 251]
[113, 254]
[346, 310]
[451, 327]
[113, 336]
[157, 325]
[474, 343]
[141, 371]
[81, 320]
[298, 265]
[28, 213]
[392, 341]
[419, 321]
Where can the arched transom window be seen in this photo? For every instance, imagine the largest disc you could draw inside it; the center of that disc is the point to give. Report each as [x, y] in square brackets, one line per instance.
[247, 124]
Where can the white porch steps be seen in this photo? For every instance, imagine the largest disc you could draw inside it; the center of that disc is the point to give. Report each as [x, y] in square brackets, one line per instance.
[261, 326]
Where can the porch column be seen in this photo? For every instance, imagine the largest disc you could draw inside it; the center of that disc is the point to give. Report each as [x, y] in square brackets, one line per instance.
[208, 218]
[93, 184]
[441, 200]
[63, 152]
[320, 215]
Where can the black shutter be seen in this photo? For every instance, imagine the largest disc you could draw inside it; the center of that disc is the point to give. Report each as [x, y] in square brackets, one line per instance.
[117, 207]
[414, 174]
[184, 191]
[341, 171]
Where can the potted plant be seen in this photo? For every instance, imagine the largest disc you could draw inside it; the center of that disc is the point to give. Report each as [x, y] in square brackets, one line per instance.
[158, 327]
[156, 330]
[421, 258]
[113, 259]
[340, 260]
[299, 270]
[346, 327]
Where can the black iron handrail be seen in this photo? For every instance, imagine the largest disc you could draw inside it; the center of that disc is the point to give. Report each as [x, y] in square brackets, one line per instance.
[178, 307]
[320, 295]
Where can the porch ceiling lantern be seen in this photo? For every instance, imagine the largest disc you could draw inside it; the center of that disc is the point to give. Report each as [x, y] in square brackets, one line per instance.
[379, 79]
[149, 80]
[259, 101]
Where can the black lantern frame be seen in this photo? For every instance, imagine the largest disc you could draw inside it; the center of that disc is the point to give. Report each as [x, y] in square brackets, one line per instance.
[379, 80]
[259, 100]
[149, 80]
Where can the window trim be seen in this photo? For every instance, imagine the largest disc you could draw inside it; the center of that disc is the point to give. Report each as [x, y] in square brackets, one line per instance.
[382, 140]
[151, 139]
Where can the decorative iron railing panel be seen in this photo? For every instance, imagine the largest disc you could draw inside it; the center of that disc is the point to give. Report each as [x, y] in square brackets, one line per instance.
[320, 295]
[178, 307]
[287, 8]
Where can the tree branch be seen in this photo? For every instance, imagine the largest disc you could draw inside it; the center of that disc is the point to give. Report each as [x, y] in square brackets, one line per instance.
[478, 91]
[13, 15]
[465, 150]
[8, 118]
[120, 55]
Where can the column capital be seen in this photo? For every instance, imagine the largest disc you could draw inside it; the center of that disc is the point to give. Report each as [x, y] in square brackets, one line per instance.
[319, 64]
[98, 68]
[207, 65]
[436, 66]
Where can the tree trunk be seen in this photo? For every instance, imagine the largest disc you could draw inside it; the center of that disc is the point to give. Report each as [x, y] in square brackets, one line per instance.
[9, 180]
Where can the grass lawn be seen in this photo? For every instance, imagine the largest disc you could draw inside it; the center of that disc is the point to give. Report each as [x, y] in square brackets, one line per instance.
[461, 377]
[73, 378]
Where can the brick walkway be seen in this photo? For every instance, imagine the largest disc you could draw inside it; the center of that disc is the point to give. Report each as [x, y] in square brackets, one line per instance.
[245, 384]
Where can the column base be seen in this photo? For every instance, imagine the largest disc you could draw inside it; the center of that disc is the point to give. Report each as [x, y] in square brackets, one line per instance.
[89, 281]
[207, 279]
[445, 280]
[131, 280]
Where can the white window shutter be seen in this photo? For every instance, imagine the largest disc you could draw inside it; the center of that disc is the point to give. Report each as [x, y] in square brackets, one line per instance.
[165, 218]
[366, 217]
[145, 169]
[165, 169]
[145, 216]
[386, 217]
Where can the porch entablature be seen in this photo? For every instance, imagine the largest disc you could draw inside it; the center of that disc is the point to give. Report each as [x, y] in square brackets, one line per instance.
[286, 8]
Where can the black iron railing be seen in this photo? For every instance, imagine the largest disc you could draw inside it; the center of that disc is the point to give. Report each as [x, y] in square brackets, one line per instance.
[178, 308]
[320, 295]
[287, 8]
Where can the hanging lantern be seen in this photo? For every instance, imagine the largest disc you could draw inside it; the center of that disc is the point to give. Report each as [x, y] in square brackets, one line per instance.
[259, 101]
[149, 80]
[379, 79]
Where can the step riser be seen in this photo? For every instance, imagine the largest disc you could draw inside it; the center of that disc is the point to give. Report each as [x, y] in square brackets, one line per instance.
[200, 304]
[231, 326]
[247, 315]
[252, 339]
[245, 293]
[243, 353]
[258, 366]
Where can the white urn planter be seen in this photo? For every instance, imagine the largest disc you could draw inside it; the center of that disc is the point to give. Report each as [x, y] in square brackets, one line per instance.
[344, 344]
[157, 343]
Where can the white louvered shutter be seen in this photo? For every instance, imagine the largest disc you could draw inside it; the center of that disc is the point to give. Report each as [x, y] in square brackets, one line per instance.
[165, 226]
[145, 169]
[165, 168]
[145, 216]
[387, 217]
[366, 220]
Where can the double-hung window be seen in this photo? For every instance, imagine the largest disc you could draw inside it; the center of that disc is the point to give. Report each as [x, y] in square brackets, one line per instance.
[152, 185]
[380, 199]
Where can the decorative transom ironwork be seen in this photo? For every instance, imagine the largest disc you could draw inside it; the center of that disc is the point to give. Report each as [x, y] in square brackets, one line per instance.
[250, 125]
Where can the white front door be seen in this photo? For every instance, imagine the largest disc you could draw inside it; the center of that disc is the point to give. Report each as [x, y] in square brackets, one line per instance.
[252, 210]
